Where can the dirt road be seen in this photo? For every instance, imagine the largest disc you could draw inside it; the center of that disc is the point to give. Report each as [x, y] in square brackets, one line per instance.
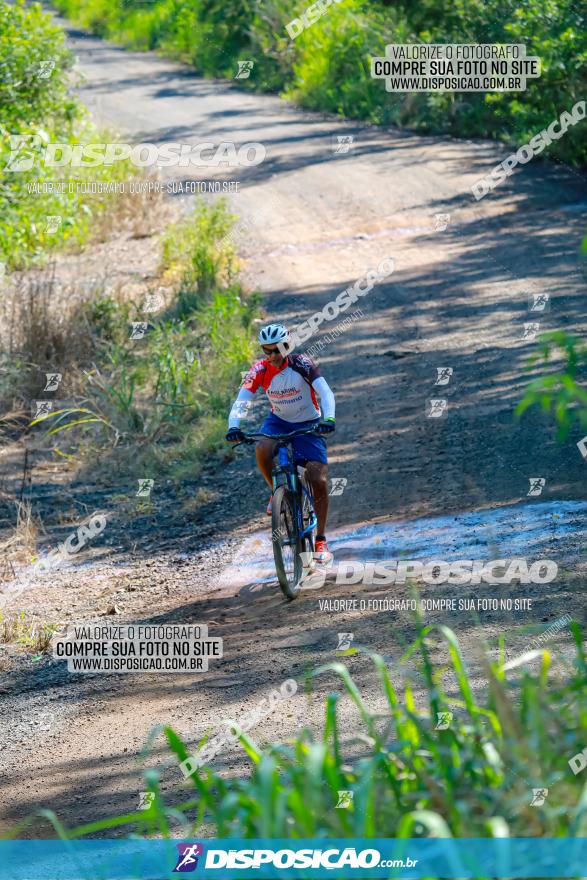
[416, 487]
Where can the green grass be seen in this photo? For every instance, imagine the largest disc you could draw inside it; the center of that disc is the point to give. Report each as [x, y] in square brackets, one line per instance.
[43, 108]
[559, 393]
[473, 779]
[170, 390]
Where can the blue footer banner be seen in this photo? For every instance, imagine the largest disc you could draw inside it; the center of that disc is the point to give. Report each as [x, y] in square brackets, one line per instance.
[290, 858]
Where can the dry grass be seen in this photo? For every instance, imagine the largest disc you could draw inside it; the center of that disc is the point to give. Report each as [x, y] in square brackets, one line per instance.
[45, 321]
[43, 329]
[194, 502]
[31, 635]
[56, 319]
[142, 214]
[48, 325]
[27, 527]
[22, 543]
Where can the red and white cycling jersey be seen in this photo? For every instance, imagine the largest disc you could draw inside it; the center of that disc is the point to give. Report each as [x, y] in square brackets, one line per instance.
[288, 388]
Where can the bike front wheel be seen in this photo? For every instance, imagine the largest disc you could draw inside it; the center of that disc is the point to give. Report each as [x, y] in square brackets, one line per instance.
[286, 542]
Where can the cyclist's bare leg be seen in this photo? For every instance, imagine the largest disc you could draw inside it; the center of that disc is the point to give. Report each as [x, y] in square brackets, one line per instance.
[317, 474]
[264, 453]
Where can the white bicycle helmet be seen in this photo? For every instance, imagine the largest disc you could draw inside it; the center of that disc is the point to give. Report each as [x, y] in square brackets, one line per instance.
[274, 333]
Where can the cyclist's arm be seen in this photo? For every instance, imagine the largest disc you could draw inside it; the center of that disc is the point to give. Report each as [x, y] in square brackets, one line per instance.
[240, 407]
[321, 386]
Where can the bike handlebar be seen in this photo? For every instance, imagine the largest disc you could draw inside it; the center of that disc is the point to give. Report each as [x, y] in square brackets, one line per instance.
[250, 438]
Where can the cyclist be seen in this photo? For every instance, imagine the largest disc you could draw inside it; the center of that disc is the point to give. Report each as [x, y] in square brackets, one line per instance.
[291, 382]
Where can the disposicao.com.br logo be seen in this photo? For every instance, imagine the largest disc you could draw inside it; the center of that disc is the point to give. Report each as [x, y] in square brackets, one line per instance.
[28, 150]
[332, 859]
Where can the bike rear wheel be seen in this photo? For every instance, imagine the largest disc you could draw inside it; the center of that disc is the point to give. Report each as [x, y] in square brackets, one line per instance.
[286, 542]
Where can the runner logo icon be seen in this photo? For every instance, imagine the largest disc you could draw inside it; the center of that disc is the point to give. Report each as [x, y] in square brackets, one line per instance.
[187, 860]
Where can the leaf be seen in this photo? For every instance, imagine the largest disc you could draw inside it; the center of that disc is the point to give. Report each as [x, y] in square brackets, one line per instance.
[72, 425]
[179, 749]
[522, 660]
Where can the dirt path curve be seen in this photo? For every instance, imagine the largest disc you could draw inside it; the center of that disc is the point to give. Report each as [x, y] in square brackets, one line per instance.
[458, 297]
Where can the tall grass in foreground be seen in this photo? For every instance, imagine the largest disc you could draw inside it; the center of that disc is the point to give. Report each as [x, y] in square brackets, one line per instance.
[473, 779]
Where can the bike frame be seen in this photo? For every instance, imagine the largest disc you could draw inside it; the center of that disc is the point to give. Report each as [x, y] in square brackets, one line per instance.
[286, 465]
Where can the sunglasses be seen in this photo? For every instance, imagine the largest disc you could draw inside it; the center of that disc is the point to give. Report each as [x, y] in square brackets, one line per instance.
[270, 350]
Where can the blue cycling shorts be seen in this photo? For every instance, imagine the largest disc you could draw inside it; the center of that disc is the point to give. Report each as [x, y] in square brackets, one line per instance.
[307, 447]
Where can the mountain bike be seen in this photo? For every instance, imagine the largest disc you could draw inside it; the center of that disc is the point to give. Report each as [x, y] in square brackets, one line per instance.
[293, 519]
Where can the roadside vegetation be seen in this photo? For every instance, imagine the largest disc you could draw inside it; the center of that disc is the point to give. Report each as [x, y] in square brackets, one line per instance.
[37, 107]
[328, 66]
[149, 376]
[472, 775]
[151, 379]
[29, 635]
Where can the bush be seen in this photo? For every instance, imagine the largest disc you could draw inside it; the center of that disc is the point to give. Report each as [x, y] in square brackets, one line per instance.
[34, 61]
[36, 108]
